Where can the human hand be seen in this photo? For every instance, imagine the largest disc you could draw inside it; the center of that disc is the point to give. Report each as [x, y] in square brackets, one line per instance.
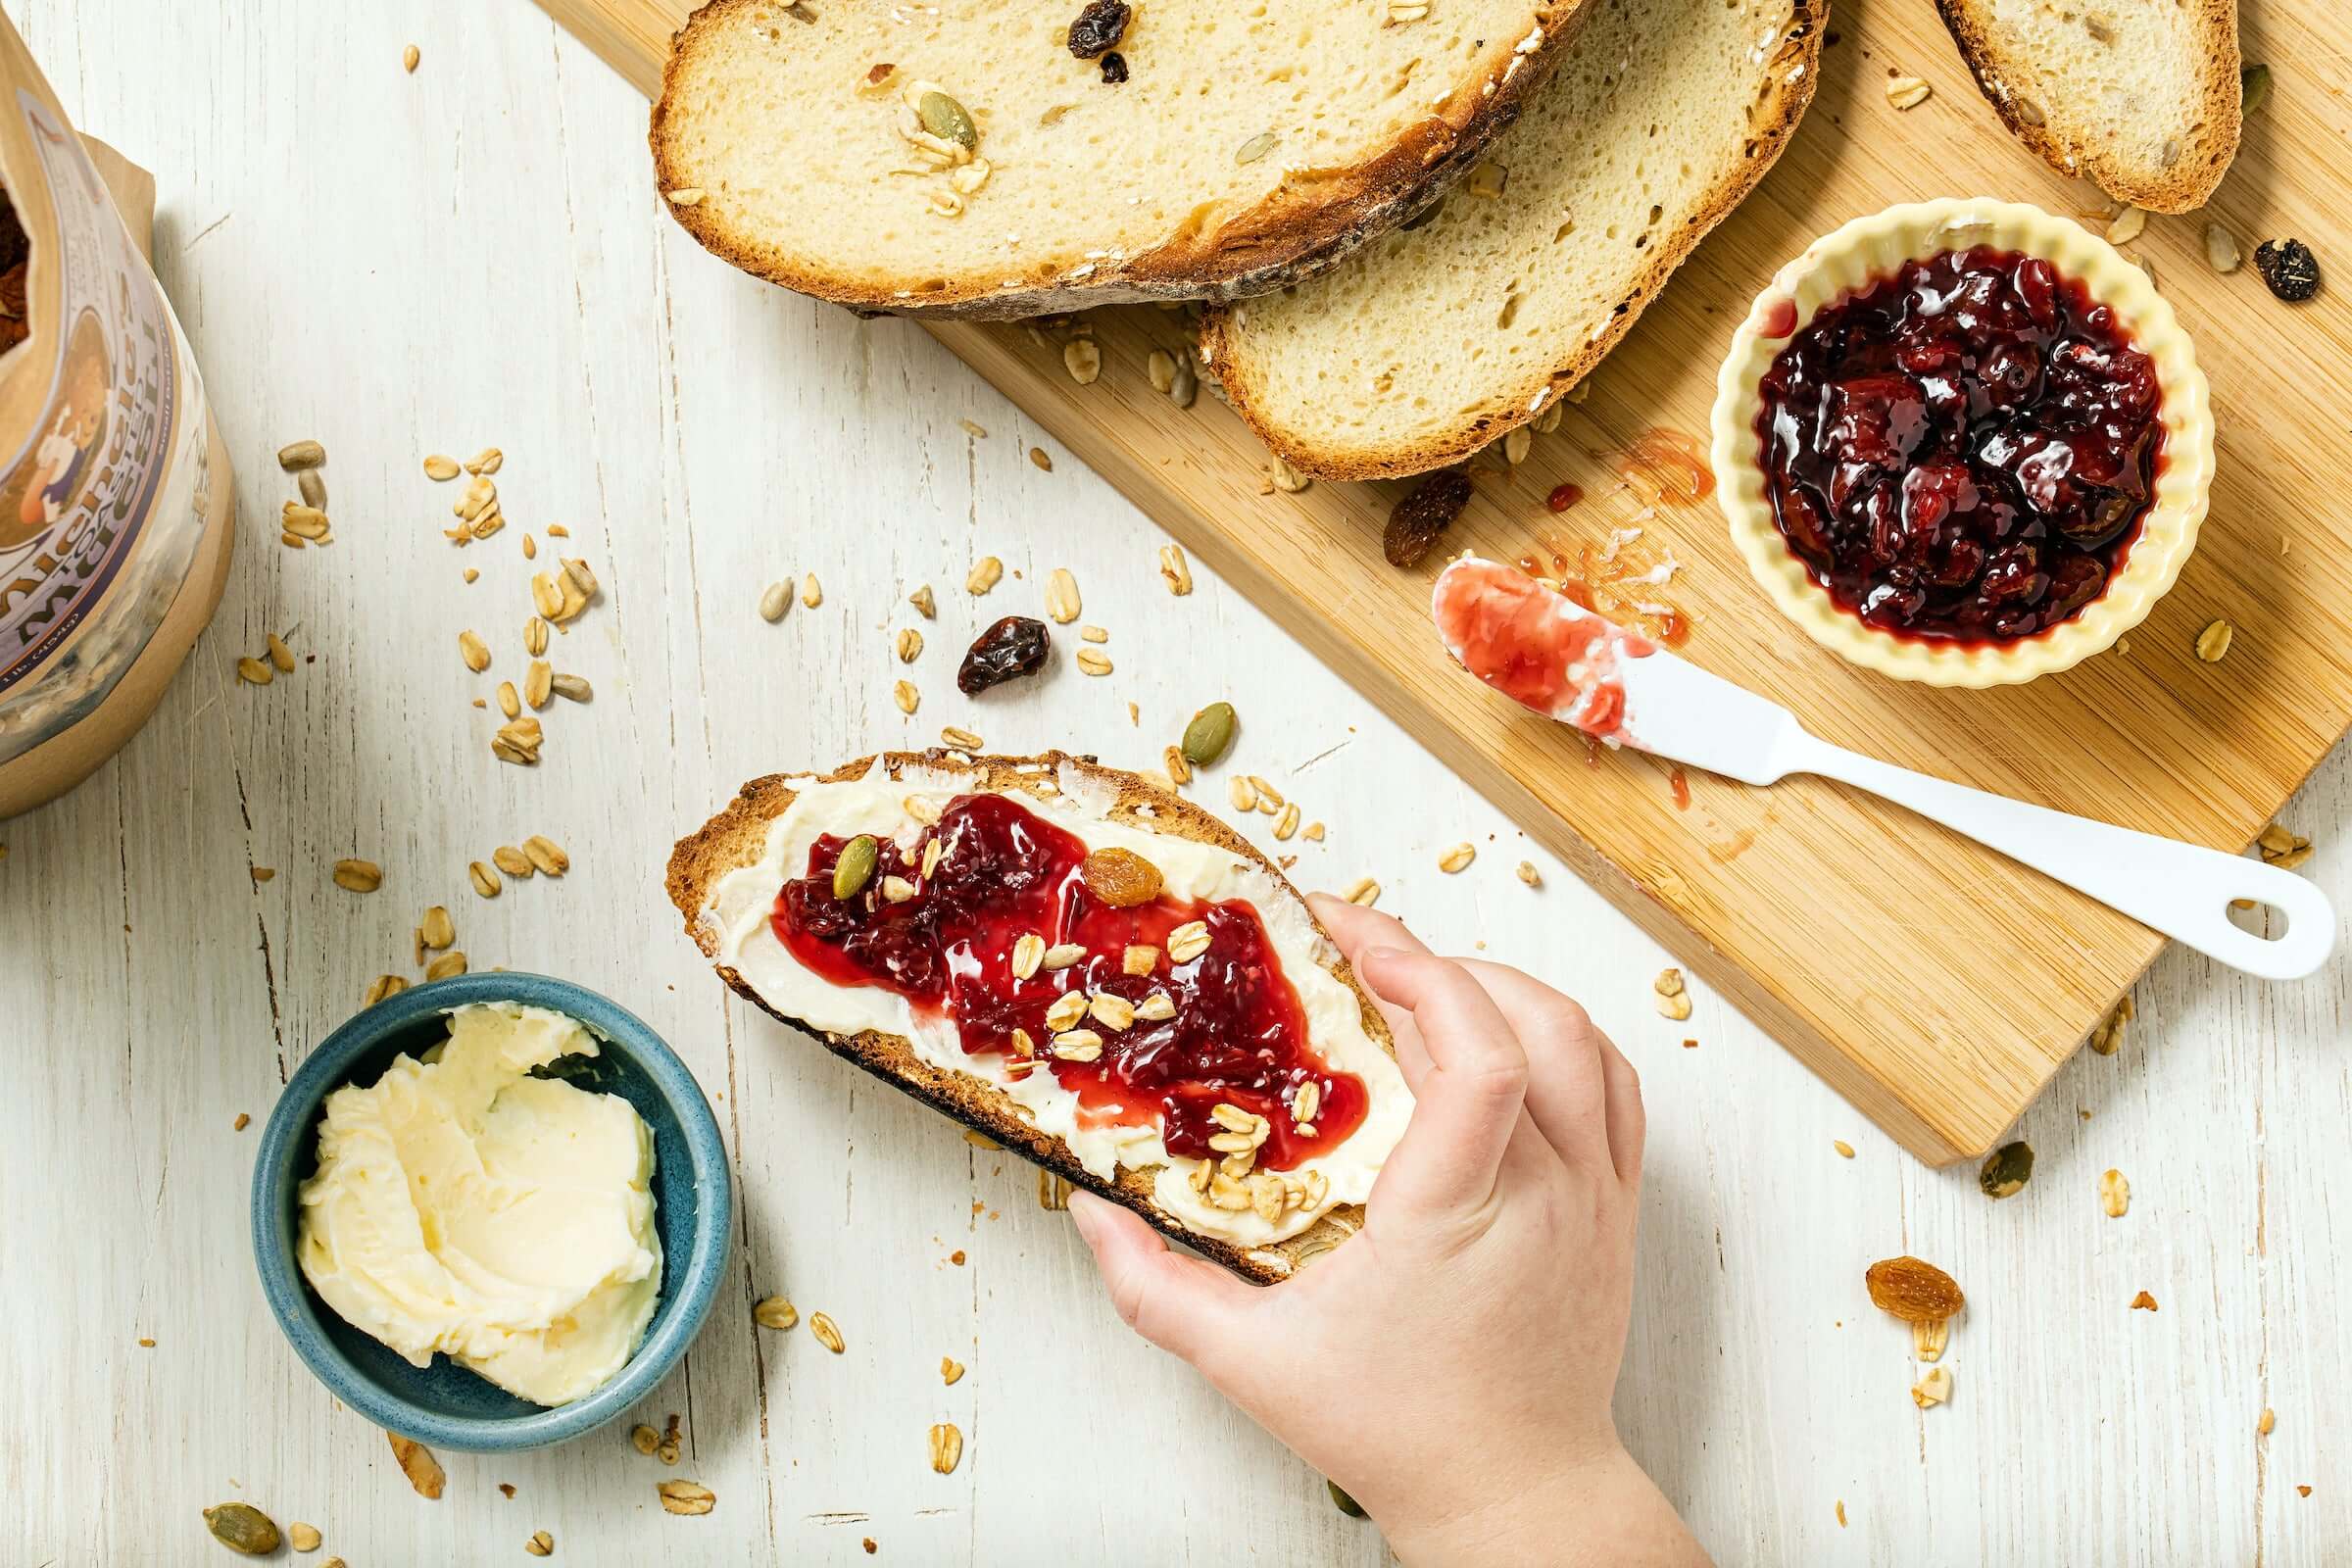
[1450, 1366]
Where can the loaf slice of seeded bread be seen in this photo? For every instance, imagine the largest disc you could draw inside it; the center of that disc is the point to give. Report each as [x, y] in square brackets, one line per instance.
[2141, 97]
[1432, 341]
[1248, 145]
[738, 837]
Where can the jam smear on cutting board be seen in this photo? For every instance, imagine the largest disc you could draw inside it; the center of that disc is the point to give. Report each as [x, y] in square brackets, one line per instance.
[1237, 1033]
[1963, 451]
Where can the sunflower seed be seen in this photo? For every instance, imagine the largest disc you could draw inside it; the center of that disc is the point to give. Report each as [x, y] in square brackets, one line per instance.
[1257, 147]
[826, 1334]
[774, 600]
[2126, 226]
[2222, 253]
[572, 688]
[313, 488]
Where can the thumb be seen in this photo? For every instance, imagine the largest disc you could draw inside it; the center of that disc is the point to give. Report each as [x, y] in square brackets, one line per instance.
[1190, 1309]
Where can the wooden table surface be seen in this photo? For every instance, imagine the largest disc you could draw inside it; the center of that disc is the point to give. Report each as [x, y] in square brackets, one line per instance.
[472, 255]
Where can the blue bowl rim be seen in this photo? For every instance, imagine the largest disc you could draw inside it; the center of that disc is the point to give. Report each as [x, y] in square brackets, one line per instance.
[691, 1283]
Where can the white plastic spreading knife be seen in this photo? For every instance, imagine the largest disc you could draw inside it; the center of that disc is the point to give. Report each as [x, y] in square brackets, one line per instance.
[1566, 663]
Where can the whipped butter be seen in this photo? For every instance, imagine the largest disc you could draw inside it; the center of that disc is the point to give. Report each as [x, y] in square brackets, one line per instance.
[1192, 871]
[463, 1206]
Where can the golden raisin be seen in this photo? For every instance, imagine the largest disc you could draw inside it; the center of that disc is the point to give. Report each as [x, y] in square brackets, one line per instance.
[1912, 1289]
[1120, 878]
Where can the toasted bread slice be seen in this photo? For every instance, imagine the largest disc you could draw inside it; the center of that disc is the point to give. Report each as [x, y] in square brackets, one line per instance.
[1246, 146]
[738, 837]
[1432, 341]
[2141, 99]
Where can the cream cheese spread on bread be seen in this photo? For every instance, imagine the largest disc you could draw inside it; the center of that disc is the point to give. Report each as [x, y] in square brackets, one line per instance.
[744, 899]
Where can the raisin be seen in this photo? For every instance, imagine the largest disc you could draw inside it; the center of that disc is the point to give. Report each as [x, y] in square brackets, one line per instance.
[1114, 68]
[1120, 878]
[2288, 267]
[1415, 522]
[1914, 1291]
[1099, 28]
[1013, 646]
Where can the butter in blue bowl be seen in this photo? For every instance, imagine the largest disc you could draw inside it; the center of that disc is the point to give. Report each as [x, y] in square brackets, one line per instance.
[485, 1206]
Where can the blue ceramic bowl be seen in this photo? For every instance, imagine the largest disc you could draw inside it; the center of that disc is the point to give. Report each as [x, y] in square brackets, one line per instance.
[444, 1405]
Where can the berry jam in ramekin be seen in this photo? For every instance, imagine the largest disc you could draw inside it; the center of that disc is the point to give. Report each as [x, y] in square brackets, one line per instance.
[1963, 451]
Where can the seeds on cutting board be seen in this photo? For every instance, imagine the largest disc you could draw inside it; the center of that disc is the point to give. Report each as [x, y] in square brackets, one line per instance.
[1457, 859]
[985, 575]
[688, 1498]
[2127, 225]
[1908, 92]
[485, 881]
[360, 877]
[1289, 480]
[1083, 359]
[2214, 641]
[2221, 250]
[1187, 384]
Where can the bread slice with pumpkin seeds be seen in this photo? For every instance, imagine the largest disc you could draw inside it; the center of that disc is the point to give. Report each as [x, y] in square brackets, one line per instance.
[1095, 1111]
[989, 159]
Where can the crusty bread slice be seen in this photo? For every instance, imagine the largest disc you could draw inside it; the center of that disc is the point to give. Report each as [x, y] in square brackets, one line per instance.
[738, 837]
[2141, 98]
[1249, 144]
[1433, 341]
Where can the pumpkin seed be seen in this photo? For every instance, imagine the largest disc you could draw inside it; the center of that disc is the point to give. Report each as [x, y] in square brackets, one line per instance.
[546, 855]
[359, 876]
[2253, 87]
[485, 881]
[299, 456]
[1343, 1503]
[686, 1496]
[241, 1527]
[1257, 147]
[572, 688]
[2006, 1170]
[856, 867]
[1209, 735]
[943, 116]
[2222, 252]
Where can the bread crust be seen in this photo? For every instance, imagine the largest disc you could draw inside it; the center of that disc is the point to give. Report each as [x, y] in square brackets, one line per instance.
[738, 837]
[1779, 107]
[1289, 236]
[2183, 187]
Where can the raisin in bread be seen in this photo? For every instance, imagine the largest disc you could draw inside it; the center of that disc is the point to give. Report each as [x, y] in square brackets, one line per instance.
[2141, 99]
[1432, 341]
[963, 161]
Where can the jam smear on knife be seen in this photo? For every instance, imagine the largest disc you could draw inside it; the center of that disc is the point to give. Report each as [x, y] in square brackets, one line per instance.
[1237, 1033]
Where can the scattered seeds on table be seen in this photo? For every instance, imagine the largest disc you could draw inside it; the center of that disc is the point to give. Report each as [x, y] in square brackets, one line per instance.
[2267, 1423]
[1457, 859]
[686, 1496]
[1240, 792]
[775, 1312]
[947, 1447]
[2214, 641]
[297, 457]
[572, 688]
[452, 962]
[438, 467]
[2006, 1170]
[1527, 875]
[546, 596]
[313, 488]
[485, 881]
[473, 650]
[812, 592]
[1062, 596]
[1930, 1335]
[359, 876]
[438, 929]
[282, 658]
[1092, 662]
[775, 601]
[534, 636]
[950, 1369]
[242, 1528]
[985, 575]
[923, 602]
[508, 703]
[1286, 824]
[511, 860]
[408, 58]
[910, 644]
[383, 986]
[1289, 480]
[1845, 1150]
[545, 854]
[301, 1537]
[826, 1334]
[906, 696]
[541, 1544]
[2115, 1194]
[1363, 891]
[538, 683]
[1934, 1388]
[962, 739]
[530, 548]
[417, 1463]
[1175, 571]
[1209, 736]
[254, 672]
[1037, 456]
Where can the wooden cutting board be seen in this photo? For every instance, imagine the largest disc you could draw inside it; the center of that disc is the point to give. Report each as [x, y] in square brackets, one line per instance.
[1934, 984]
